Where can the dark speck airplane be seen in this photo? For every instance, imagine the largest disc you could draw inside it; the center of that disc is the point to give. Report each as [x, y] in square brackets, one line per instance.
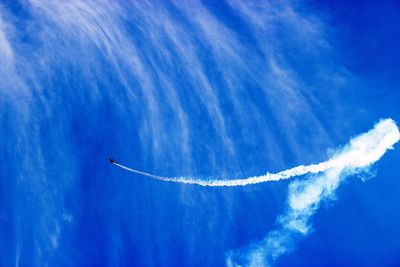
[112, 160]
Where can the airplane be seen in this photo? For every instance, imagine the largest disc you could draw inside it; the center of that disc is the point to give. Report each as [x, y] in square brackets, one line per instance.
[112, 160]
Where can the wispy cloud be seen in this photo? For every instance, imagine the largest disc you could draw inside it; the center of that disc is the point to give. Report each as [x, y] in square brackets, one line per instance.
[191, 84]
[6, 53]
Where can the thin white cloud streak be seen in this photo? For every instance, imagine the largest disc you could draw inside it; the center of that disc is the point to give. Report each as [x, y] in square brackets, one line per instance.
[305, 196]
[6, 53]
[361, 152]
[285, 92]
[203, 87]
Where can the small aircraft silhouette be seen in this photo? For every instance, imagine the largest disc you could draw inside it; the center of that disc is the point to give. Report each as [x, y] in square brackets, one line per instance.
[112, 160]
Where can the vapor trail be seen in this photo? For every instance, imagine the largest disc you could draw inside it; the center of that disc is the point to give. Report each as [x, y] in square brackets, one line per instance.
[362, 151]
[305, 196]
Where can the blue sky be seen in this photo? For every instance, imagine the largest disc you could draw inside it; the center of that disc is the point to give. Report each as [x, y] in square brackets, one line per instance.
[206, 89]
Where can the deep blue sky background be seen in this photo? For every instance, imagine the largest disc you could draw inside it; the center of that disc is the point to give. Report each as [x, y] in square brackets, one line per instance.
[201, 89]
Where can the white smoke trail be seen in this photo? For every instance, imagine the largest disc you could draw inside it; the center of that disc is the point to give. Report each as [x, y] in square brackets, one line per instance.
[306, 195]
[361, 152]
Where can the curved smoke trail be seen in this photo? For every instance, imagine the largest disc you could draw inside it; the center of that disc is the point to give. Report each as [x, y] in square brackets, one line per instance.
[305, 196]
[361, 152]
